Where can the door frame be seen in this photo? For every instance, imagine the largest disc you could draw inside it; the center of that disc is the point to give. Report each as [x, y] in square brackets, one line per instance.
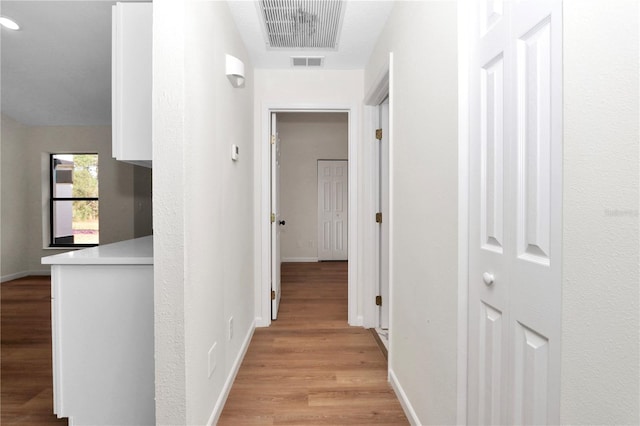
[374, 105]
[380, 89]
[263, 285]
[464, 23]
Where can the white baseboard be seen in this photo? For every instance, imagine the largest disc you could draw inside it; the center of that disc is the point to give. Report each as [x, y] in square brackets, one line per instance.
[299, 259]
[359, 322]
[404, 401]
[262, 322]
[217, 409]
[23, 274]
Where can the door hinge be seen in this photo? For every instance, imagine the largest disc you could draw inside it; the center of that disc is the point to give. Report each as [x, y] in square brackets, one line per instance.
[273, 139]
[379, 134]
[273, 217]
[273, 295]
[379, 217]
[378, 300]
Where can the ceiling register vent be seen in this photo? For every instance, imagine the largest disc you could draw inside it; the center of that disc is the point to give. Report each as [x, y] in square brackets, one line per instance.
[302, 23]
[307, 61]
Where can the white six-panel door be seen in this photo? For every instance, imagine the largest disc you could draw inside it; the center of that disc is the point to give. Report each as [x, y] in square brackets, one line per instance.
[515, 212]
[333, 202]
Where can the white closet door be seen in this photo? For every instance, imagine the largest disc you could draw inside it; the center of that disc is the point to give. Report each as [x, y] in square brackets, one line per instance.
[333, 197]
[515, 213]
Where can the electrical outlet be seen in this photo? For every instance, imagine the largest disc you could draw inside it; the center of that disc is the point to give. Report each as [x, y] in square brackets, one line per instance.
[211, 356]
[230, 328]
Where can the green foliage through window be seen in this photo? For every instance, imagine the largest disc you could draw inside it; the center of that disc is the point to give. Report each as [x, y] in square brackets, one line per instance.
[85, 185]
[74, 200]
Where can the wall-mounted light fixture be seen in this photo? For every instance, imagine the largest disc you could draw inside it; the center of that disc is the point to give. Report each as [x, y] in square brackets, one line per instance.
[9, 23]
[235, 71]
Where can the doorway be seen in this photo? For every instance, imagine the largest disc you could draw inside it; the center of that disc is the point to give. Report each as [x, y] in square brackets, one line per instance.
[303, 137]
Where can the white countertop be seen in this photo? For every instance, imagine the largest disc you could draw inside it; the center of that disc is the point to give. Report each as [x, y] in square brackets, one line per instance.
[138, 251]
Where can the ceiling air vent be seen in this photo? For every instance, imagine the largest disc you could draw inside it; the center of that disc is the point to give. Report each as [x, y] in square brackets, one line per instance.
[307, 61]
[301, 24]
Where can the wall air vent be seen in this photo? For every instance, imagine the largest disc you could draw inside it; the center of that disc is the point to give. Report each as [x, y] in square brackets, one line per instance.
[299, 24]
[307, 61]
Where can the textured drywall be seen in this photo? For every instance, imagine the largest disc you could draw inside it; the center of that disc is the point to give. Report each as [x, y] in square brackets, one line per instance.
[168, 211]
[424, 209]
[219, 203]
[203, 207]
[304, 139]
[600, 323]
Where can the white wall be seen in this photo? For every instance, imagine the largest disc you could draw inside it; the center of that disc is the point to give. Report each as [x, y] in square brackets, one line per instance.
[304, 139]
[26, 172]
[600, 298]
[13, 181]
[424, 210]
[301, 89]
[203, 208]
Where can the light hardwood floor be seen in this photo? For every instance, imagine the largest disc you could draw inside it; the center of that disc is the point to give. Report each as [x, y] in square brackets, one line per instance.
[26, 388]
[310, 367]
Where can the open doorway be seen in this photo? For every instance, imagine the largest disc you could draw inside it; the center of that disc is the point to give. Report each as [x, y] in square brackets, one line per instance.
[304, 145]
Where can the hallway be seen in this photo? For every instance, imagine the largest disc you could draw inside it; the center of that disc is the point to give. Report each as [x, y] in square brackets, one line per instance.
[310, 367]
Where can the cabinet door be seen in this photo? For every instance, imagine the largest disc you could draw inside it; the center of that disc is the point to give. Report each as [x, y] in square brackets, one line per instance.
[131, 82]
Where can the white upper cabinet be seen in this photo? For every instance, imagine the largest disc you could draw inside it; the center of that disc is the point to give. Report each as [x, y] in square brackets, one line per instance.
[131, 82]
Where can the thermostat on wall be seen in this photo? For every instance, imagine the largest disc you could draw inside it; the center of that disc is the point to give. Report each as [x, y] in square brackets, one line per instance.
[235, 152]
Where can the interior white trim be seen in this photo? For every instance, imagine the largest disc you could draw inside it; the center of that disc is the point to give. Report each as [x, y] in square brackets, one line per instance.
[379, 90]
[391, 204]
[263, 287]
[463, 209]
[376, 94]
[222, 399]
[369, 231]
[299, 259]
[404, 401]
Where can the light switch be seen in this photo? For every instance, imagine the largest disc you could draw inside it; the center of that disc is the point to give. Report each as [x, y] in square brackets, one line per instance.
[235, 152]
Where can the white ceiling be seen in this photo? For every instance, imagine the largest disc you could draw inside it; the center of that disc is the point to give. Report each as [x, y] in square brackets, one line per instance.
[362, 22]
[57, 69]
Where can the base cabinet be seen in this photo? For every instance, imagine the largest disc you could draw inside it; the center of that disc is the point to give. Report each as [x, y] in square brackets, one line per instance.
[103, 345]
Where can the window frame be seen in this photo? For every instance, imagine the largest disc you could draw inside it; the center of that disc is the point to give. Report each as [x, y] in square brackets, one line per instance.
[53, 199]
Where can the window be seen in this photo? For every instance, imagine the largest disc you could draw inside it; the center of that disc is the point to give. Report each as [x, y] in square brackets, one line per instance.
[74, 212]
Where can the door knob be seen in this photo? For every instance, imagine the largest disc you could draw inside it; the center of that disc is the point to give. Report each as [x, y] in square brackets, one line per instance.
[488, 278]
[282, 222]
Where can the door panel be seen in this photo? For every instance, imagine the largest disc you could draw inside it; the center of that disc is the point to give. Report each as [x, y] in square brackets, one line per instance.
[332, 209]
[490, 358]
[492, 166]
[534, 131]
[515, 213]
[488, 314]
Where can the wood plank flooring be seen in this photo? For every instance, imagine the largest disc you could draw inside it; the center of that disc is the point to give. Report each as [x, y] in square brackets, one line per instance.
[26, 387]
[310, 367]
